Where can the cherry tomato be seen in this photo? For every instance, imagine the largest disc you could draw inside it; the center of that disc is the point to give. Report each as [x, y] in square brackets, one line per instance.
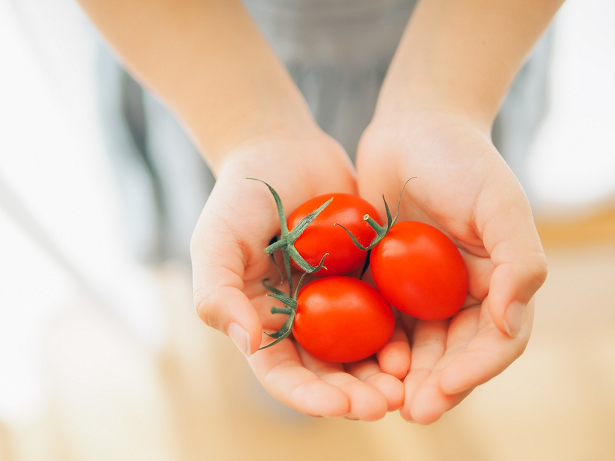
[323, 236]
[420, 271]
[342, 319]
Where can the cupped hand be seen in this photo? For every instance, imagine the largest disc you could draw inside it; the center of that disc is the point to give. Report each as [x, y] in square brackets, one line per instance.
[229, 266]
[464, 188]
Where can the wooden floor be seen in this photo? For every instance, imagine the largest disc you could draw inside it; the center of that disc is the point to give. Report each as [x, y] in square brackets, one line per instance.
[196, 398]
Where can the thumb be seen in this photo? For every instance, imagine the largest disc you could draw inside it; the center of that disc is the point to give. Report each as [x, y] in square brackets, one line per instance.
[218, 266]
[520, 266]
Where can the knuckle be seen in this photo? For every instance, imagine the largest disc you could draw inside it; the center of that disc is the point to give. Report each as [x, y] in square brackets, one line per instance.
[206, 307]
[539, 269]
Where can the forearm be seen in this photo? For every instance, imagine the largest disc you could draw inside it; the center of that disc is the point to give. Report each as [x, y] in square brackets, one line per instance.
[463, 54]
[207, 60]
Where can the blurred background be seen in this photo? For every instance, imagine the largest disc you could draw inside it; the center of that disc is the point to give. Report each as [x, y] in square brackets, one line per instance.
[103, 357]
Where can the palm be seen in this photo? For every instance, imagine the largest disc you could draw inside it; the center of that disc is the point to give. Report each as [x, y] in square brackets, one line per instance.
[230, 265]
[464, 188]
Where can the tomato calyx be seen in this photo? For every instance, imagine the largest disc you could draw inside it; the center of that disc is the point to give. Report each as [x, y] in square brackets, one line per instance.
[290, 309]
[381, 231]
[286, 240]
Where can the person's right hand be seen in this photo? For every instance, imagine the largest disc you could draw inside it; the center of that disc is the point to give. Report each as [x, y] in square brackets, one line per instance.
[229, 266]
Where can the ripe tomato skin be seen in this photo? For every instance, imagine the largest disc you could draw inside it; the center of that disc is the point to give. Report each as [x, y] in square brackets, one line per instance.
[420, 271]
[323, 236]
[342, 319]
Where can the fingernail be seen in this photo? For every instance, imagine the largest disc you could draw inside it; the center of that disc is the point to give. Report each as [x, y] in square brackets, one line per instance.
[240, 337]
[514, 318]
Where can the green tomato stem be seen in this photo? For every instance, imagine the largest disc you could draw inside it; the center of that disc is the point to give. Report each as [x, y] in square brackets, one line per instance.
[381, 231]
[286, 240]
[290, 308]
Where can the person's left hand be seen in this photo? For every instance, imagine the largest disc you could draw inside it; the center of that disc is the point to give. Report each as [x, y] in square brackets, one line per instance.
[464, 188]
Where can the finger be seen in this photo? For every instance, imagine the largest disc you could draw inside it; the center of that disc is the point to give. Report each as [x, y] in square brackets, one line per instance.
[480, 270]
[218, 262]
[430, 401]
[394, 357]
[366, 402]
[505, 223]
[428, 346]
[389, 386]
[284, 376]
[488, 354]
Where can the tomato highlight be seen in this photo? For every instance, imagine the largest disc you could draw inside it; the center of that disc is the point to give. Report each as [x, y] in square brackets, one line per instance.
[323, 236]
[416, 267]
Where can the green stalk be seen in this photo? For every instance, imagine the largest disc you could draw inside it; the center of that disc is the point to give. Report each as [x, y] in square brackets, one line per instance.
[286, 241]
[381, 231]
[290, 309]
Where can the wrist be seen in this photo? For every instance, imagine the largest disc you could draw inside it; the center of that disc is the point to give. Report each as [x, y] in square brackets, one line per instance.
[420, 111]
[286, 145]
[420, 100]
[251, 128]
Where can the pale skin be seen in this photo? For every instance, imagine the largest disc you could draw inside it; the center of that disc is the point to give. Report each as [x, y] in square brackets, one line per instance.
[449, 76]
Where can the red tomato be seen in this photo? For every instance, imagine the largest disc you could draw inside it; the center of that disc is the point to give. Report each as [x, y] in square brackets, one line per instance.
[323, 236]
[342, 319]
[420, 271]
